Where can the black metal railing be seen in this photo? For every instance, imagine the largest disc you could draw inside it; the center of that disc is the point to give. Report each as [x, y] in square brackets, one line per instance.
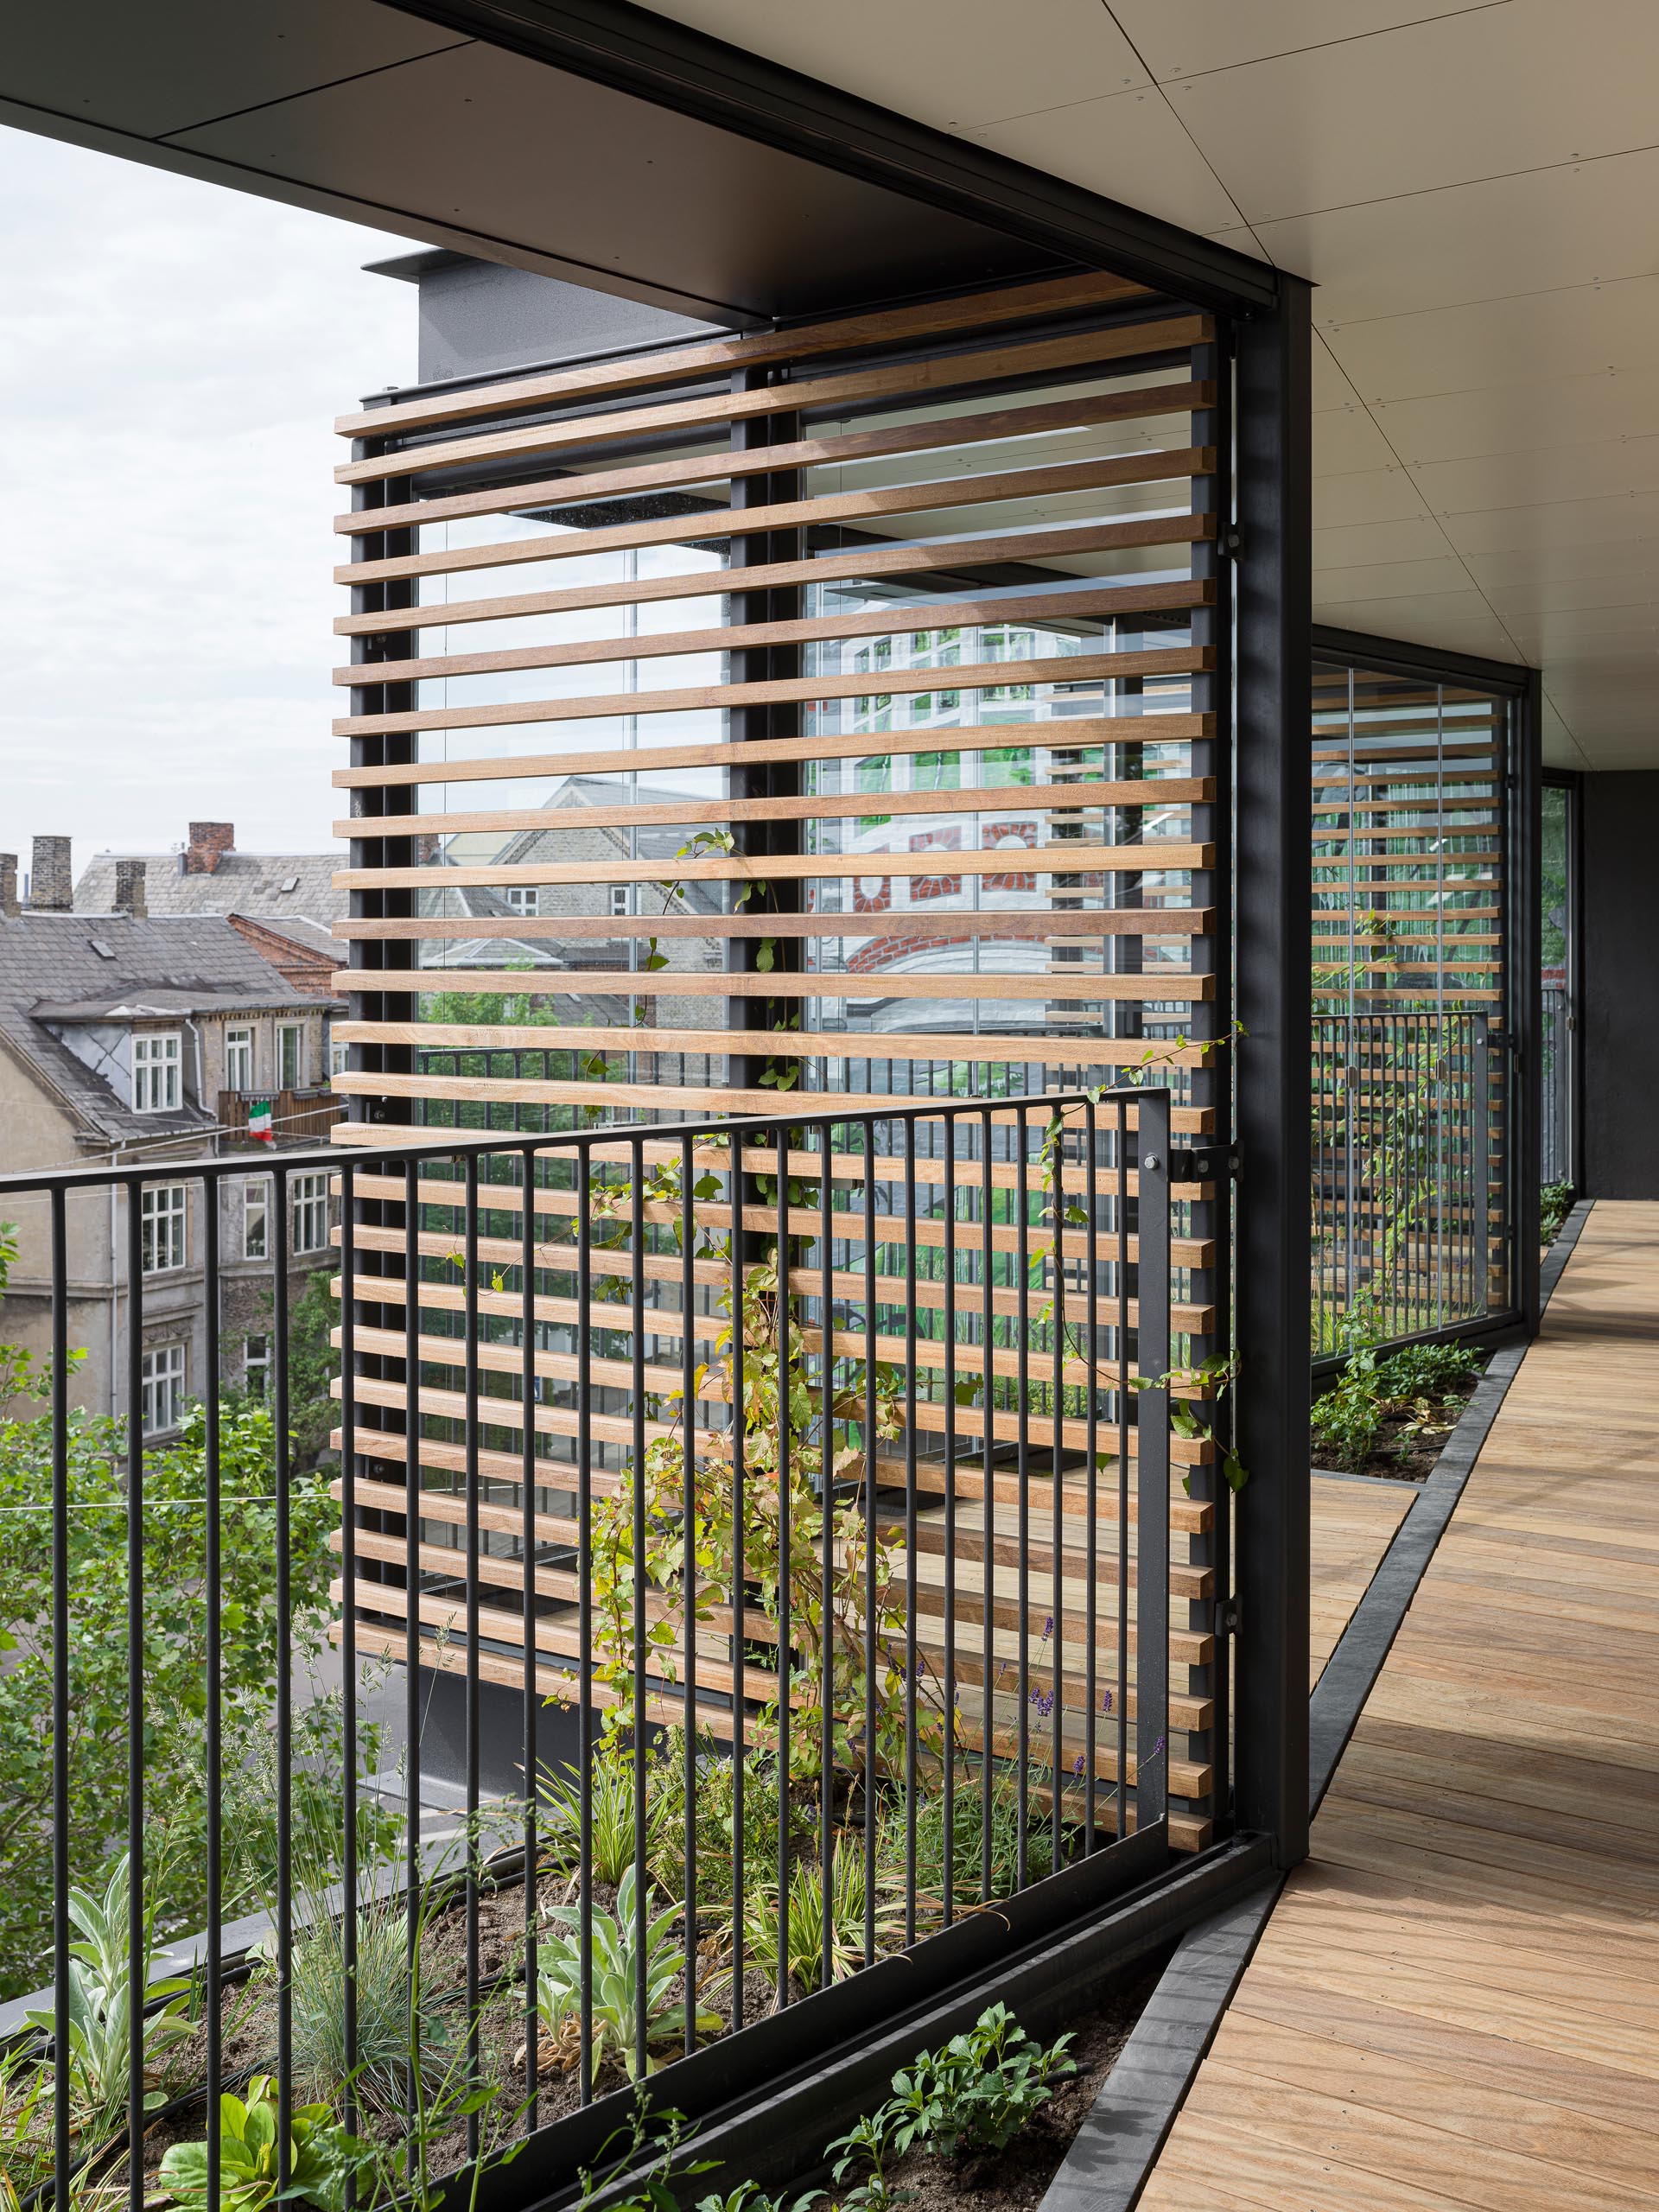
[1409, 1207]
[779, 1509]
[1555, 1084]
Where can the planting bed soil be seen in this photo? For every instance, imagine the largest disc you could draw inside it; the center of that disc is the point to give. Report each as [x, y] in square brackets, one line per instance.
[1401, 1458]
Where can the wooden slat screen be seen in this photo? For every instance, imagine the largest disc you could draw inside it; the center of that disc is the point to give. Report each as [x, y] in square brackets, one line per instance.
[1411, 828]
[832, 711]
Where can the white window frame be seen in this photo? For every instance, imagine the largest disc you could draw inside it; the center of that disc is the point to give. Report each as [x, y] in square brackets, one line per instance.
[340, 1058]
[162, 1379]
[239, 1060]
[621, 899]
[255, 1364]
[157, 1071]
[311, 1212]
[525, 898]
[291, 1035]
[164, 1215]
[256, 1210]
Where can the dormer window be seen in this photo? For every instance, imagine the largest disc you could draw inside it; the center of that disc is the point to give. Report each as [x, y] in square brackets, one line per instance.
[157, 1062]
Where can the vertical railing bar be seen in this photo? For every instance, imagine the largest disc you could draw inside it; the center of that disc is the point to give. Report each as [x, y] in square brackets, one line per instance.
[1122, 1782]
[1153, 1351]
[911, 1640]
[585, 1610]
[739, 1558]
[948, 1699]
[785, 1555]
[412, 1610]
[1091, 1507]
[134, 1697]
[1057, 1649]
[284, 1694]
[688, 1574]
[473, 1716]
[826, 1595]
[528, 1547]
[871, 1596]
[637, 1361]
[60, 1865]
[1022, 1354]
[348, 1643]
[988, 1578]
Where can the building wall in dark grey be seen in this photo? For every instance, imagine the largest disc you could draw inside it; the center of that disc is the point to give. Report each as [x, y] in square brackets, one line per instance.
[1619, 1032]
[477, 317]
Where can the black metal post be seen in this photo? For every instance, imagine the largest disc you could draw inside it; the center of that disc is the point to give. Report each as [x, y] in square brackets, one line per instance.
[1273, 788]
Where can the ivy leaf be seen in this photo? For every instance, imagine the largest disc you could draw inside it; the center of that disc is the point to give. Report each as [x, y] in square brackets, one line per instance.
[766, 959]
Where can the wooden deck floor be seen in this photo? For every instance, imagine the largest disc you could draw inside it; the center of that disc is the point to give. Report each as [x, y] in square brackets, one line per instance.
[1456, 2002]
[1353, 1525]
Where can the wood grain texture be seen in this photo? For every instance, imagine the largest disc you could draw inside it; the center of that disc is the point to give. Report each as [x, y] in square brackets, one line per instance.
[786, 1045]
[1085, 734]
[1095, 602]
[845, 333]
[939, 497]
[1453, 2002]
[892, 380]
[720, 463]
[869, 563]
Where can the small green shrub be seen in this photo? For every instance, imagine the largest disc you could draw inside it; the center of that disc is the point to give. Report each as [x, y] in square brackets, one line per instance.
[1426, 1372]
[1345, 1420]
[385, 2028]
[1554, 1203]
[616, 1978]
[320, 2154]
[966, 1848]
[610, 1812]
[716, 1823]
[805, 1937]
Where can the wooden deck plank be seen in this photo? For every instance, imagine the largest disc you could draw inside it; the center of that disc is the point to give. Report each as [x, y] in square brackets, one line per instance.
[1454, 2002]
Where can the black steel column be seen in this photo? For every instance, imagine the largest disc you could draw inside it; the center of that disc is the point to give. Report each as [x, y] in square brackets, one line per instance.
[1524, 954]
[1273, 787]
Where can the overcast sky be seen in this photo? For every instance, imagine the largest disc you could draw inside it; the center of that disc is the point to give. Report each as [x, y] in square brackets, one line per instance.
[172, 356]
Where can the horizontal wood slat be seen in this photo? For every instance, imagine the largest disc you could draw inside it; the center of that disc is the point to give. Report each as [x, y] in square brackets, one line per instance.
[910, 379]
[940, 497]
[803, 1045]
[1046, 606]
[689, 982]
[1070, 858]
[727, 463]
[1000, 799]
[1083, 733]
[871, 562]
[881, 327]
[954, 925]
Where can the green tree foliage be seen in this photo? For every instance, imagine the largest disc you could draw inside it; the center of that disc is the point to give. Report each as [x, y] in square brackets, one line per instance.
[174, 1659]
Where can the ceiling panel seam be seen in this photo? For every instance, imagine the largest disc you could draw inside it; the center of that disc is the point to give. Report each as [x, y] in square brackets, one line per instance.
[310, 92]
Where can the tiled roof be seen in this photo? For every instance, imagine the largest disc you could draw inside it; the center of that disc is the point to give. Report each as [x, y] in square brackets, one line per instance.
[243, 883]
[83, 967]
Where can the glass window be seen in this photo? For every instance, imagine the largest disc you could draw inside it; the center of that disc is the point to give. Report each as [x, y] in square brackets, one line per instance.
[239, 1060]
[161, 1385]
[255, 1364]
[256, 1219]
[289, 1055]
[311, 1212]
[339, 1056]
[619, 895]
[524, 897]
[161, 1216]
[157, 1079]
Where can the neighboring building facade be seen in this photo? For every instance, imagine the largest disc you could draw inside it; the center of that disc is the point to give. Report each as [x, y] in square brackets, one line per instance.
[127, 1036]
[208, 876]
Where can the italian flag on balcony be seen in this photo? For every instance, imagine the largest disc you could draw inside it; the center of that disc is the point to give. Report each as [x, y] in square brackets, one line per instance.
[260, 1127]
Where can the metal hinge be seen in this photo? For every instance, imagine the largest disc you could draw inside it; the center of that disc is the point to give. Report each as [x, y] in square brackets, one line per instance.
[1227, 1616]
[1229, 543]
[1203, 1163]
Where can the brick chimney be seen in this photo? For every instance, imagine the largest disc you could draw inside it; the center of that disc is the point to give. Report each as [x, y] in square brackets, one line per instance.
[8, 883]
[51, 880]
[209, 842]
[130, 895]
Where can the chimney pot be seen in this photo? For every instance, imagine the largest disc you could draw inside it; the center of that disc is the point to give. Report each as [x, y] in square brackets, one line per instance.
[209, 842]
[51, 881]
[8, 883]
[130, 893]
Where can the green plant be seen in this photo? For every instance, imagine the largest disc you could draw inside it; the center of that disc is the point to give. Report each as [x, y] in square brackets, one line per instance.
[1425, 1370]
[982, 2088]
[1346, 1419]
[619, 2024]
[873, 2143]
[101, 2004]
[318, 1984]
[25, 2125]
[611, 1791]
[803, 1932]
[716, 1821]
[320, 2154]
[749, 2197]
[651, 2143]
[967, 1838]
[175, 1625]
[1554, 1203]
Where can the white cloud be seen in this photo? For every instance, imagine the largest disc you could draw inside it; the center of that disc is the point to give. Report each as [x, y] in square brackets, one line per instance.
[172, 357]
